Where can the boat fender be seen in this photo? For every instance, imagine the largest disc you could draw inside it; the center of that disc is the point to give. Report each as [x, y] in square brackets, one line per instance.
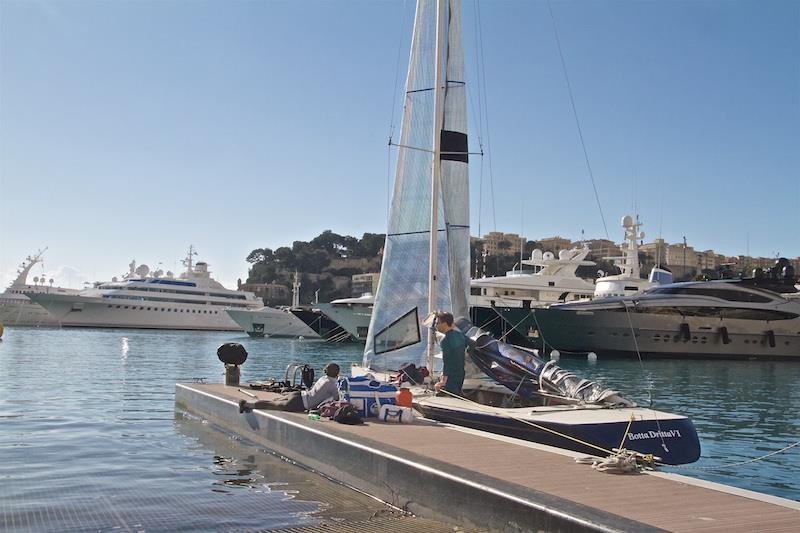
[771, 338]
[686, 335]
[723, 333]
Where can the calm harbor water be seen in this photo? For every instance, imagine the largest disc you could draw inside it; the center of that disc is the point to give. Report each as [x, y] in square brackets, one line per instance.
[91, 440]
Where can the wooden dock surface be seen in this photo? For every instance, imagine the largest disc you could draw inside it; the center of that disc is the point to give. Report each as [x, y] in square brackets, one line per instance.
[660, 501]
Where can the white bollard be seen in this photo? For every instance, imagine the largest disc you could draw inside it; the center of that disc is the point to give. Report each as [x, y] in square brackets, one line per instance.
[591, 356]
[555, 355]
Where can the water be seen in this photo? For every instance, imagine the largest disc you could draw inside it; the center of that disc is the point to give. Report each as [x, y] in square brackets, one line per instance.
[741, 409]
[91, 441]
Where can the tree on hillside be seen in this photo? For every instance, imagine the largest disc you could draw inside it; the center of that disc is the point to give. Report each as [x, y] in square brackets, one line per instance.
[331, 242]
[259, 255]
[372, 243]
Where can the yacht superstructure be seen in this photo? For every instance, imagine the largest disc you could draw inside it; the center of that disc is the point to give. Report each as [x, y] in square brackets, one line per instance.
[192, 301]
[551, 279]
[16, 309]
[629, 280]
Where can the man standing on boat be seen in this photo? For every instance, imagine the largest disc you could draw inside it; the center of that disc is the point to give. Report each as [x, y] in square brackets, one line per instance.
[454, 347]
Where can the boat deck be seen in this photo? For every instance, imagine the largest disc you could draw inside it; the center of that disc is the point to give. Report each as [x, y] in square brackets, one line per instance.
[488, 481]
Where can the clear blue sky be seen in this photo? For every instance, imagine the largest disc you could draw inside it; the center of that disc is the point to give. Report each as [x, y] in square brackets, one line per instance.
[133, 129]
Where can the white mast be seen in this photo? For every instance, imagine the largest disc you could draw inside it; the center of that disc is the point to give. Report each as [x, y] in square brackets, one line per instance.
[436, 171]
[296, 290]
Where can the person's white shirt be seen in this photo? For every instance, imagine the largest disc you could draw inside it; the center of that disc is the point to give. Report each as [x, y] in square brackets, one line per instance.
[326, 388]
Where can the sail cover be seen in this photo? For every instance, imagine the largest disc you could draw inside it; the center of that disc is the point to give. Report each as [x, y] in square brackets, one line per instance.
[403, 288]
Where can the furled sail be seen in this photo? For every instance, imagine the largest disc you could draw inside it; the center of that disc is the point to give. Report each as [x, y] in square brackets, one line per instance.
[395, 334]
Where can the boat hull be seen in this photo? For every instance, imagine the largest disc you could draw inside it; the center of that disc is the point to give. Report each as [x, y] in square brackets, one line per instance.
[354, 319]
[269, 322]
[673, 439]
[23, 312]
[80, 311]
[611, 334]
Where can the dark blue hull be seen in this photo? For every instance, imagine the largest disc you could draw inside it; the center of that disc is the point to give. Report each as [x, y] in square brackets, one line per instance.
[674, 440]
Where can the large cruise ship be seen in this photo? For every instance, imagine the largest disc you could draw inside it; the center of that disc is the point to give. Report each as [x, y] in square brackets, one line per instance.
[194, 301]
[16, 309]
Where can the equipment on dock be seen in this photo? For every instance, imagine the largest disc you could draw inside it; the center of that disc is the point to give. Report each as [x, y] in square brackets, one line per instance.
[232, 354]
[367, 395]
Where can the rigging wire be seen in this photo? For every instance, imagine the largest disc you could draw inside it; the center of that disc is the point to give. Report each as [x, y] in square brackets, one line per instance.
[482, 81]
[739, 463]
[479, 113]
[575, 114]
[400, 41]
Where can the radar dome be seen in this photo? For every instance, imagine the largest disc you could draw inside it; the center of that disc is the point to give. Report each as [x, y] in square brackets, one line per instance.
[627, 220]
[142, 271]
[548, 256]
[536, 255]
[563, 255]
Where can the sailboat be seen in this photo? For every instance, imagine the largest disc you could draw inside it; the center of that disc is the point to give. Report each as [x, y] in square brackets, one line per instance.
[426, 268]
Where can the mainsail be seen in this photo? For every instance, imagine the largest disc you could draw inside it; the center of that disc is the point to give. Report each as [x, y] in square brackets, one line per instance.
[395, 334]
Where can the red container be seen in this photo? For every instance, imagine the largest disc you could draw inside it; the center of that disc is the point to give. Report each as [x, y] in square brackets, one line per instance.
[403, 397]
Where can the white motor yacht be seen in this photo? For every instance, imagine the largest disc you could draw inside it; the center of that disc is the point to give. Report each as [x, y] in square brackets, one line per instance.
[629, 280]
[193, 301]
[352, 314]
[708, 319]
[16, 309]
[274, 321]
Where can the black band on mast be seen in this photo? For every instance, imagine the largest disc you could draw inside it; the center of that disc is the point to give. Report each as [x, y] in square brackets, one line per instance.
[454, 146]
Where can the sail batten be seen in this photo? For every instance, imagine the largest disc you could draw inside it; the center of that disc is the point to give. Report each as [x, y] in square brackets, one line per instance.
[405, 284]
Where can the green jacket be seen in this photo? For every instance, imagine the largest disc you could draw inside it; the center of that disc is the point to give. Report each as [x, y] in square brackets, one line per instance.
[454, 346]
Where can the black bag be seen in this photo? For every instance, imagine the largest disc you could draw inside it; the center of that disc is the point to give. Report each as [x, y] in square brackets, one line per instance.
[347, 414]
[410, 373]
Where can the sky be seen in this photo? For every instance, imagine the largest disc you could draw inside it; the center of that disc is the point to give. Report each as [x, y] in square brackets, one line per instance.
[133, 129]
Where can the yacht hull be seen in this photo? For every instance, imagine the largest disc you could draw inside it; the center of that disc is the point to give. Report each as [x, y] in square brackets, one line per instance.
[269, 322]
[354, 319]
[611, 334]
[23, 312]
[81, 311]
[670, 437]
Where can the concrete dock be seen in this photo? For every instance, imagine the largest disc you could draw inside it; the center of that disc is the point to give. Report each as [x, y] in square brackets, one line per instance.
[485, 481]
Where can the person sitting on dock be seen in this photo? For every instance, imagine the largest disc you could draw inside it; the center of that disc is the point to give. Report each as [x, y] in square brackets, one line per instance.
[454, 346]
[326, 388]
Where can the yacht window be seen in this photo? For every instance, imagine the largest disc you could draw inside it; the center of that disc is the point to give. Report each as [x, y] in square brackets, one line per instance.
[731, 295]
[756, 314]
